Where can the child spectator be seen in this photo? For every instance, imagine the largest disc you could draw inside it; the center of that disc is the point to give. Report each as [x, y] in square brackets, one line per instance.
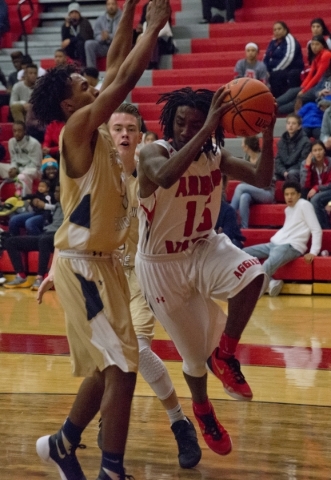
[315, 176]
[50, 172]
[292, 148]
[25, 158]
[150, 137]
[291, 240]
[245, 194]
[43, 243]
[250, 66]
[41, 205]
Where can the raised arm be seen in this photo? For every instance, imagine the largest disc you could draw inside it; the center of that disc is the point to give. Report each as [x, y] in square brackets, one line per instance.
[81, 126]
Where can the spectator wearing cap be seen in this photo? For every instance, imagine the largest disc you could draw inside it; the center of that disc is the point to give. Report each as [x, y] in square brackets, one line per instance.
[76, 30]
[104, 30]
[50, 172]
[25, 158]
[250, 66]
[51, 139]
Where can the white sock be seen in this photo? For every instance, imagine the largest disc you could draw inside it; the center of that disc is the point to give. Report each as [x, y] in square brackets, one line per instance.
[176, 414]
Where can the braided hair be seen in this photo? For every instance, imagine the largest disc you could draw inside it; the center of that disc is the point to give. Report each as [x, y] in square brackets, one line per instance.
[50, 90]
[198, 99]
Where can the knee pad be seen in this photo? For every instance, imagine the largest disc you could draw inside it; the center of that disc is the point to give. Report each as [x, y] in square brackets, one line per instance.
[154, 372]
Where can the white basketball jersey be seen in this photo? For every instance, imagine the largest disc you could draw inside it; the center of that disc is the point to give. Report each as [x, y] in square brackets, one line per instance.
[172, 220]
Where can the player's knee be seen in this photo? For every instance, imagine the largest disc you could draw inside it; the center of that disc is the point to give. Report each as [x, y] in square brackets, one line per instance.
[154, 372]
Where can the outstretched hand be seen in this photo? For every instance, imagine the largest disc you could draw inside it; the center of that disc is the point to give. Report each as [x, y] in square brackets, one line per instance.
[46, 285]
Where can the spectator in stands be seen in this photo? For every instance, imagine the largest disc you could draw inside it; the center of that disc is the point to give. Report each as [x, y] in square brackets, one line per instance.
[38, 214]
[227, 220]
[292, 148]
[16, 58]
[315, 178]
[245, 194]
[43, 244]
[326, 130]
[283, 59]
[25, 62]
[50, 172]
[50, 144]
[290, 242]
[150, 137]
[250, 66]
[25, 158]
[60, 57]
[92, 76]
[228, 5]
[314, 80]
[312, 115]
[318, 27]
[21, 93]
[104, 31]
[75, 31]
[5, 96]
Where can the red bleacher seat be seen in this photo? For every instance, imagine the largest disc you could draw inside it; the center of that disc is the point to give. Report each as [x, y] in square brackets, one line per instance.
[101, 64]
[6, 131]
[322, 269]
[7, 190]
[298, 269]
[4, 113]
[267, 215]
[5, 263]
[230, 188]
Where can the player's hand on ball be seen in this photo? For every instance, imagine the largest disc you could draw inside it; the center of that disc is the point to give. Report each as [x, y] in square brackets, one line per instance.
[218, 107]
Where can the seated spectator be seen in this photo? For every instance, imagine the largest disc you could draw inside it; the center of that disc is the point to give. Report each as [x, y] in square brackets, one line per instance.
[16, 58]
[245, 194]
[228, 5]
[92, 76]
[50, 172]
[25, 62]
[318, 27]
[313, 81]
[326, 130]
[292, 148]
[227, 220]
[5, 96]
[250, 66]
[43, 244]
[25, 158]
[165, 44]
[50, 144]
[41, 204]
[150, 137]
[290, 242]
[75, 31]
[104, 31]
[21, 93]
[283, 59]
[60, 57]
[315, 178]
[312, 115]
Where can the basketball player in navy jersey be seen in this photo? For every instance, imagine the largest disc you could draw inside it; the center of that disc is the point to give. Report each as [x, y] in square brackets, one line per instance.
[91, 286]
[182, 263]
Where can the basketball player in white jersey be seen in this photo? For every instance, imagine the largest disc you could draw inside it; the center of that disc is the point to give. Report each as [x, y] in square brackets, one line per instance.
[182, 263]
[125, 129]
[91, 286]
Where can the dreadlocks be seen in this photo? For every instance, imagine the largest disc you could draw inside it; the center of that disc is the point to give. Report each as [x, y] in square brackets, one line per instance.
[198, 99]
[50, 90]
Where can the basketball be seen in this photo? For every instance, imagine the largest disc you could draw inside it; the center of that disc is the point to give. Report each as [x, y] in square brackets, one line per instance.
[253, 107]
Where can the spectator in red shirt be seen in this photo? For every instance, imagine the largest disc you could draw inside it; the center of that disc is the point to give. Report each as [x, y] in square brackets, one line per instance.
[315, 178]
[51, 139]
